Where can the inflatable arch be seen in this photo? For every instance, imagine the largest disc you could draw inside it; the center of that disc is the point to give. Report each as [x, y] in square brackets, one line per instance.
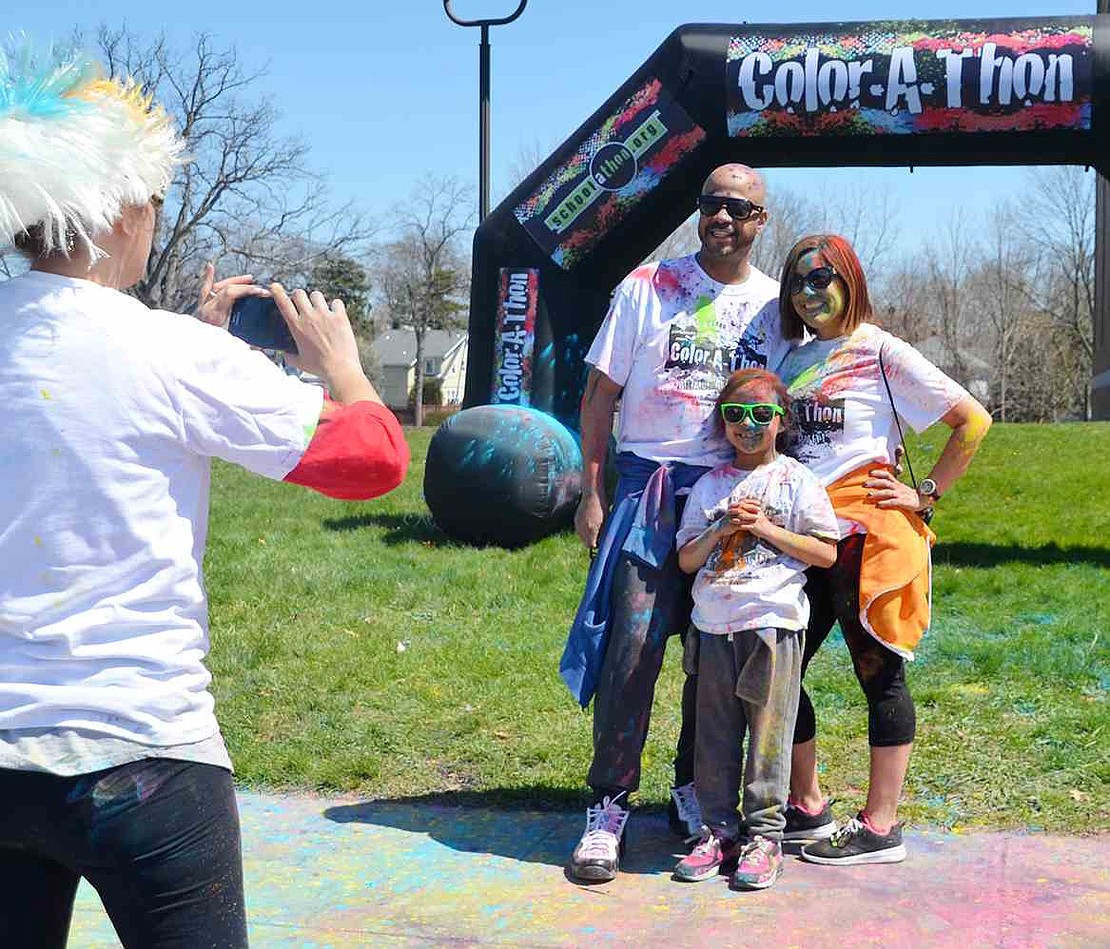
[964, 92]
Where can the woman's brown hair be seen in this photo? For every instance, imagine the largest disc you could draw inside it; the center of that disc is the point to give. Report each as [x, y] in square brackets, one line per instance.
[842, 258]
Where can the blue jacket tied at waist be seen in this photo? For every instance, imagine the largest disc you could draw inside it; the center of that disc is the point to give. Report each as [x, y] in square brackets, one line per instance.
[642, 525]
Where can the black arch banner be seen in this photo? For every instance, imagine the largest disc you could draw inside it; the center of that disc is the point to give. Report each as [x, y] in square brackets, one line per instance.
[897, 79]
[1003, 91]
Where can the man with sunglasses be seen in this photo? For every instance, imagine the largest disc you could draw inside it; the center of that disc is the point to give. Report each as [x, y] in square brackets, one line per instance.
[675, 331]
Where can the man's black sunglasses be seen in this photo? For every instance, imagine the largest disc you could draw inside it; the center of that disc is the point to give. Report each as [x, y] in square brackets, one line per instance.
[818, 278]
[739, 209]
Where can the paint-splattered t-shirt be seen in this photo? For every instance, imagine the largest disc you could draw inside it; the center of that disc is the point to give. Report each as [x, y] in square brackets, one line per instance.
[840, 412]
[671, 338]
[747, 582]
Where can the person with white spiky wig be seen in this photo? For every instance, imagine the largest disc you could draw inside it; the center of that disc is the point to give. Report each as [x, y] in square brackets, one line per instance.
[112, 766]
[76, 148]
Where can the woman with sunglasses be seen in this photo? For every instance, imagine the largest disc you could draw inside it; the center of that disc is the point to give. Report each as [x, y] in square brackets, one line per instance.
[749, 529]
[851, 385]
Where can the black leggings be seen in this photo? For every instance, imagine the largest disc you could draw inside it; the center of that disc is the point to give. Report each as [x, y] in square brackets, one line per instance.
[834, 595]
[157, 839]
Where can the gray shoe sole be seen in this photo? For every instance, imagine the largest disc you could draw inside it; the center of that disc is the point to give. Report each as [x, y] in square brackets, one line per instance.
[745, 885]
[697, 876]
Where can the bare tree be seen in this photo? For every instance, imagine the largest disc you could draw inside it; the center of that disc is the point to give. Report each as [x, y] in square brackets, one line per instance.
[867, 217]
[948, 269]
[681, 241]
[791, 217]
[529, 157]
[248, 196]
[902, 302]
[1004, 303]
[1060, 225]
[422, 273]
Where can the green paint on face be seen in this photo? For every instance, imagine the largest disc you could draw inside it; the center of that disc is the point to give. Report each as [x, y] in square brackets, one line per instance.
[821, 310]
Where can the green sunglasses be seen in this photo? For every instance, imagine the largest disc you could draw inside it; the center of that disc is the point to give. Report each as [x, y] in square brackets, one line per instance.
[760, 413]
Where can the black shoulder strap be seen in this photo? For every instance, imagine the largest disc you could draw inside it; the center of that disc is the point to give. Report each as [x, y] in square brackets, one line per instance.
[897, 421]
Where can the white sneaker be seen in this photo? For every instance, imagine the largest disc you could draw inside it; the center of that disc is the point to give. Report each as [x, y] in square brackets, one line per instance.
[597, 856]
[683, 813]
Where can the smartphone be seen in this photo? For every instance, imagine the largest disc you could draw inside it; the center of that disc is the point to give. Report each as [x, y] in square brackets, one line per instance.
[258, 321]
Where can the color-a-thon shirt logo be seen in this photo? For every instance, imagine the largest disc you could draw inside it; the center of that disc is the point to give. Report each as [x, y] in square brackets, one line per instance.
[696, 344]
[687, 349]
[814, 424]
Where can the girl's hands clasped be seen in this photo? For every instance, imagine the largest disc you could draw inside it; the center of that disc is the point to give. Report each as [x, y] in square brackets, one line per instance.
[746, 514]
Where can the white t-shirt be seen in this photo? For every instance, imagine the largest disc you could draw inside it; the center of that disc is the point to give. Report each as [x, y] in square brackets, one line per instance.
[748, 583]
[671, 338]
[111, 413]
[840, 412]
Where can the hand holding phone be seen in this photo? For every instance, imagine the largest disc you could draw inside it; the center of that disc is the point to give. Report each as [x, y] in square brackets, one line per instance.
[218, 296]
[328, 347]
[258, 321]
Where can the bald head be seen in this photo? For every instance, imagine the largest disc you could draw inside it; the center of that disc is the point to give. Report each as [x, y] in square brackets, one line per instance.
[738, 180]
[728, 226]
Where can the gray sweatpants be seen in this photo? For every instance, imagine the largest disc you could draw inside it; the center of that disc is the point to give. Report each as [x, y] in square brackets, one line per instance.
[747, 681]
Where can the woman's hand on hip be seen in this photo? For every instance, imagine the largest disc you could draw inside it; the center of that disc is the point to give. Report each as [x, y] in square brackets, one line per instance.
[886, 491]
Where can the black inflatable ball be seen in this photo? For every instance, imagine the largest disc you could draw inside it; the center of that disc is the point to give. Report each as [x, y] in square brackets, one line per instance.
[502, 474]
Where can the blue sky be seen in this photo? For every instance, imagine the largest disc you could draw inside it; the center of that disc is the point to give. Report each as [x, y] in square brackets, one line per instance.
[387, 92]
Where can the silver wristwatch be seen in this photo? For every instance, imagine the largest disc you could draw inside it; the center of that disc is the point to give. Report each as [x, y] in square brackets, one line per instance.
[927, 488]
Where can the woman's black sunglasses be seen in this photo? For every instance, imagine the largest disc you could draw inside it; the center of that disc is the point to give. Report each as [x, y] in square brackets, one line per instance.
[739, 209]
[817, 279]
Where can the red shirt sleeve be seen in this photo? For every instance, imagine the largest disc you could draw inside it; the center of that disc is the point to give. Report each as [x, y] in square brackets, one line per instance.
[358, 452]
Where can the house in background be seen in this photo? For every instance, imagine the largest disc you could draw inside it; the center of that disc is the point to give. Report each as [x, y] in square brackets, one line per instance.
[444, 362]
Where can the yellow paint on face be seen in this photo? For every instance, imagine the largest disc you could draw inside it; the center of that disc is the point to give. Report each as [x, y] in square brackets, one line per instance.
[821, 310]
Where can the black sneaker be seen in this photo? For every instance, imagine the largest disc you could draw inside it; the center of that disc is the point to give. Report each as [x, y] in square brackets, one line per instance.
[803, 826]
[598, 854]
[855, 843]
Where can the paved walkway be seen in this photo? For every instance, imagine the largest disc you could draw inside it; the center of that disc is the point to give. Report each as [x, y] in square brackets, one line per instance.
[341, 873]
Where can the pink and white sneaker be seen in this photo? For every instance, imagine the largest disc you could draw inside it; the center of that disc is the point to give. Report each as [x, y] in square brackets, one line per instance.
[711, 855]
[760, 864]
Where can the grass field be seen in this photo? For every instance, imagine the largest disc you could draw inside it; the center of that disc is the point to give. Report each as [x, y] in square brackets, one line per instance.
[356, 648]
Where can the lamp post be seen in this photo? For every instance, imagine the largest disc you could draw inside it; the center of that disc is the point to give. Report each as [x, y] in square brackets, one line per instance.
[483, 97]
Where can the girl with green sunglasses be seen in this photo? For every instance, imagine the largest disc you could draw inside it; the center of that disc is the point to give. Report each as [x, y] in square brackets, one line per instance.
[749, 530]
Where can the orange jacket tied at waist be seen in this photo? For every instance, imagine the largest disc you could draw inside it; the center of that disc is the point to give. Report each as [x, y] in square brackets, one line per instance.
[896, 567]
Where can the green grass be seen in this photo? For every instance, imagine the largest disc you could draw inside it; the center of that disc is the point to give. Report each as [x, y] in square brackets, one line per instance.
[356, 648]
